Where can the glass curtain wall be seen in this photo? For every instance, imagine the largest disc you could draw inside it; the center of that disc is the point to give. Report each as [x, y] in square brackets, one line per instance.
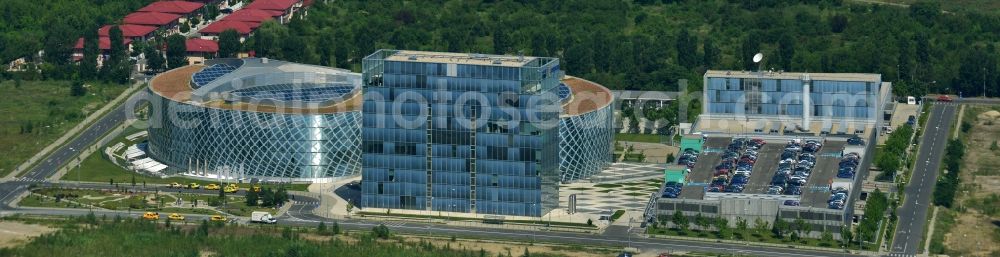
[447, 137]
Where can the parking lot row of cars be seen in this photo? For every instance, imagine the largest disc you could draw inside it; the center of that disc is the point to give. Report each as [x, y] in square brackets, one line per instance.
[733, 172]
[848, 166]
[672, 189]
[838, 197]
[794, 167]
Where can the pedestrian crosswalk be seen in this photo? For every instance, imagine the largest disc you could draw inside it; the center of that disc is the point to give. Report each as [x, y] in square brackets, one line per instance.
[27, 179]
[307, 203]
[900, 255]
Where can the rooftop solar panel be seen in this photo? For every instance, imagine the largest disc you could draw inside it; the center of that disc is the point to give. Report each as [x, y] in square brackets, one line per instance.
[301, 92]
[211, 73]
[563, 91]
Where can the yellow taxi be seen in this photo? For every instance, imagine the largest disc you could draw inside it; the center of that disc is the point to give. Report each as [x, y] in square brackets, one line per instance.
[175, 216]
[175, 185]
[231, 188]
[211, 187]
[217, 218]
[194, 186]
[151, 216]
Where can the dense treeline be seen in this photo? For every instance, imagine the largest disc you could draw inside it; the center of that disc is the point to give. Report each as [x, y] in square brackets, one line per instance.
[650, 44]
[944, 189]
[890, 158]
[100, 236]
[55, 25]
[642, 44]
[875, 208]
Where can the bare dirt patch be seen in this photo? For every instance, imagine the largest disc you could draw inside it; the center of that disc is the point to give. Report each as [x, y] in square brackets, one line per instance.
[514, 248]
[974, 233]
[16, 233]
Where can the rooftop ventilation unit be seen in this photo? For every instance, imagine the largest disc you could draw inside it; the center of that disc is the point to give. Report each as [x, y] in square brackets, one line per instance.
[497, 62]
[412, 58]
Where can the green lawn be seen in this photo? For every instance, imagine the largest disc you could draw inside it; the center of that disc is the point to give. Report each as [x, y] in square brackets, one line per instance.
[40, 201]
[97, 168]
[36, 113]
[648, 138]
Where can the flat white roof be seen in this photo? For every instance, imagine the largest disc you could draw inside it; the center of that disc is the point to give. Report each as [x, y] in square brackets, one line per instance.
[865, 77]
[460, 58]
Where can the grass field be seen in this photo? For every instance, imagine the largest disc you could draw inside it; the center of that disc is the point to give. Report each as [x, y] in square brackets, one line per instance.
[648, 138]
[36, 113]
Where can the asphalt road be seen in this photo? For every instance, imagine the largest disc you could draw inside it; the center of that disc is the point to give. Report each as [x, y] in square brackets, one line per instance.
[913, 212]
[302, 215]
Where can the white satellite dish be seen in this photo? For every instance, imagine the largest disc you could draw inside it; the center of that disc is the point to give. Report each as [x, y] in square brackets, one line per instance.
[758, 57]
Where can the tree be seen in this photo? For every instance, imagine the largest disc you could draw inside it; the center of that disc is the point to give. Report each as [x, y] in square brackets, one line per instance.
[786, 51]
[741, 226]
[229, 43]
[154, 59]
[88, 65]
[267, 40]
[722, 225]
[185, 27]
[686, 49]
[176, 51]
[749, 48]
[838, 23]
[381, 231]
[711, 54]
[267, 197]
[925, 12]
[76, 88]
[827, 237]
[117, 45]
[335, 229]
[526, 253]
[321, 228]
[702, 222]
[760, 226]
[802, 227]
[58, 42]
[845, 235]
[251, 198]
[780, 227]
[680, 221]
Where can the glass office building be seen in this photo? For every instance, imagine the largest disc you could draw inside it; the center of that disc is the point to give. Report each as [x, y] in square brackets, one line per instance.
[460, 133]
[257, 118]
[803, 97]
[586, 131]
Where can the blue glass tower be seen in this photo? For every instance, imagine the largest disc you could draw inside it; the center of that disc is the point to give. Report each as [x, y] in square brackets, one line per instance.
[460, 132]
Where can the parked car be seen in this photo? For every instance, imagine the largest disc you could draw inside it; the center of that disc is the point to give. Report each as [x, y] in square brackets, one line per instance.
[791, 203]
[944, 98]
[774, 190]
[793, 190]
[856, 140]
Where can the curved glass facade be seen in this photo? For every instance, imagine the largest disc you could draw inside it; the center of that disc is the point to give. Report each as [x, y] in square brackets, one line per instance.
[586, 144]
[243, 144]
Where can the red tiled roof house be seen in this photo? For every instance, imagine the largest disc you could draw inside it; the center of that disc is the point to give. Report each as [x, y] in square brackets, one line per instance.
[288, 8]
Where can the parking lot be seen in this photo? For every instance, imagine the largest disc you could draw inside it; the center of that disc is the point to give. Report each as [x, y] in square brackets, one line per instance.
[766, 165]
[817, 190]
